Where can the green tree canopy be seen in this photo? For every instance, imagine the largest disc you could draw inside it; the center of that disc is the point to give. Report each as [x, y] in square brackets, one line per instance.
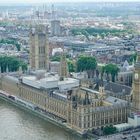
[11, 41]
[85, 63]
[111, 69]
[55, 58]
[71, 66]
[100, 31]
[12, 63]
[109, 129]
[133, 58]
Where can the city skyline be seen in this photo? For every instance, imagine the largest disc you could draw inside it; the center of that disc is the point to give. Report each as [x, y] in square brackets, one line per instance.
[59, 1]
[74, 64]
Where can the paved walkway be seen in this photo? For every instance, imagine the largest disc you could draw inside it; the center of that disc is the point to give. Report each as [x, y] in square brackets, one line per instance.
[130, 136]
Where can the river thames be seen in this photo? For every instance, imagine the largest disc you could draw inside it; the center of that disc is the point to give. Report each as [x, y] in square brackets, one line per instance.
[17, 124]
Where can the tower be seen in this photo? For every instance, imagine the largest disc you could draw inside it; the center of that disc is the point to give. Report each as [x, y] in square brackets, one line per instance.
[55, 28]
[63, 67]
[53, 12]
[20, 71]
[136, 86]
[102, 94]
[39, 48]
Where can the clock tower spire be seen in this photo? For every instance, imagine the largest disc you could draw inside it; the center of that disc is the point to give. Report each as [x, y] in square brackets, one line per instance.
[136, 86]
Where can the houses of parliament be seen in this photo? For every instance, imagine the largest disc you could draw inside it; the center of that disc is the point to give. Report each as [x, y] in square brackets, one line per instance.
[82, 107]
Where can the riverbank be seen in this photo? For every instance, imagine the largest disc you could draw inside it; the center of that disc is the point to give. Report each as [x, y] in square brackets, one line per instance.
[41, 115]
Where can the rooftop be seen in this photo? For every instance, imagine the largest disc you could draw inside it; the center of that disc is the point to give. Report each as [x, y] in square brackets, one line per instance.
[117, 88]
[90, 90]
[50, 81]
[114, 100]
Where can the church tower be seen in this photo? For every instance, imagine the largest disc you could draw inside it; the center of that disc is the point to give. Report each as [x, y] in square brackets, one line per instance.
[102, 94]
[136, 86]
[39, 48]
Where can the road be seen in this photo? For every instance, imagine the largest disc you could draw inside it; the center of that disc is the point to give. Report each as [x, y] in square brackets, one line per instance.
[130, 136]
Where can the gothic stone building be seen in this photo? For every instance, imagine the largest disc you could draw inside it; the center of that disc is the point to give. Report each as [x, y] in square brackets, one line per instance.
[82, 108]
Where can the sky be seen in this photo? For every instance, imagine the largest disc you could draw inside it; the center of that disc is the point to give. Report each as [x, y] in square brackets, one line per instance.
[53, 1]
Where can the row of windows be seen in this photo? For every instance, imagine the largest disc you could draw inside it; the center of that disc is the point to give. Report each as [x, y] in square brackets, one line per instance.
[105, 114]
[90, 109]
[56, 106]
[41, 50]
[11, 88]
[75, 119]
[42, 64]
[33, 97]
[47, 103]
[105, 121]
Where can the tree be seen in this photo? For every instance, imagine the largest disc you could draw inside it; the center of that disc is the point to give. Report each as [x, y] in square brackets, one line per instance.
[11, 41]
[86, 34]
[55, 58]
[87, 63]
[109, 129]
[71, 66]
[12, 63]
[100, 31]
[111, 69]
[103, 35]
[133, 58]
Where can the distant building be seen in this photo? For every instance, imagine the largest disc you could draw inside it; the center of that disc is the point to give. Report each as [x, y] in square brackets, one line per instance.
[55, 47]
[39, 48]
[123, 127]
[55, 28]
[112, 89]
[125, 75]
[134, 119]
[57, 51]
[55, 66]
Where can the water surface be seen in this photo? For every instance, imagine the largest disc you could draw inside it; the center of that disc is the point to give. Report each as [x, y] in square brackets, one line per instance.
[17, 124]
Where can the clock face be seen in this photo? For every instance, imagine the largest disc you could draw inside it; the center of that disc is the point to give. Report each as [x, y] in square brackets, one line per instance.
[136, 76]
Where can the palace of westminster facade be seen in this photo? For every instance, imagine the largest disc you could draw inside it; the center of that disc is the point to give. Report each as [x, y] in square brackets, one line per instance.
[81, 107]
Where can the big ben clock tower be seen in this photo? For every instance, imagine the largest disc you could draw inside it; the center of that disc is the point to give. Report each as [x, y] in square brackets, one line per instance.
[136, 86]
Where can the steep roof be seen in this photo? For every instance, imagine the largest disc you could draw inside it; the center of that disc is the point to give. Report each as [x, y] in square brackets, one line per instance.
[116, 88]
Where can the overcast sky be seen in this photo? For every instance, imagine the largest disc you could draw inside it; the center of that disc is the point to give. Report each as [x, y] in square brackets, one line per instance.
[52, 1]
